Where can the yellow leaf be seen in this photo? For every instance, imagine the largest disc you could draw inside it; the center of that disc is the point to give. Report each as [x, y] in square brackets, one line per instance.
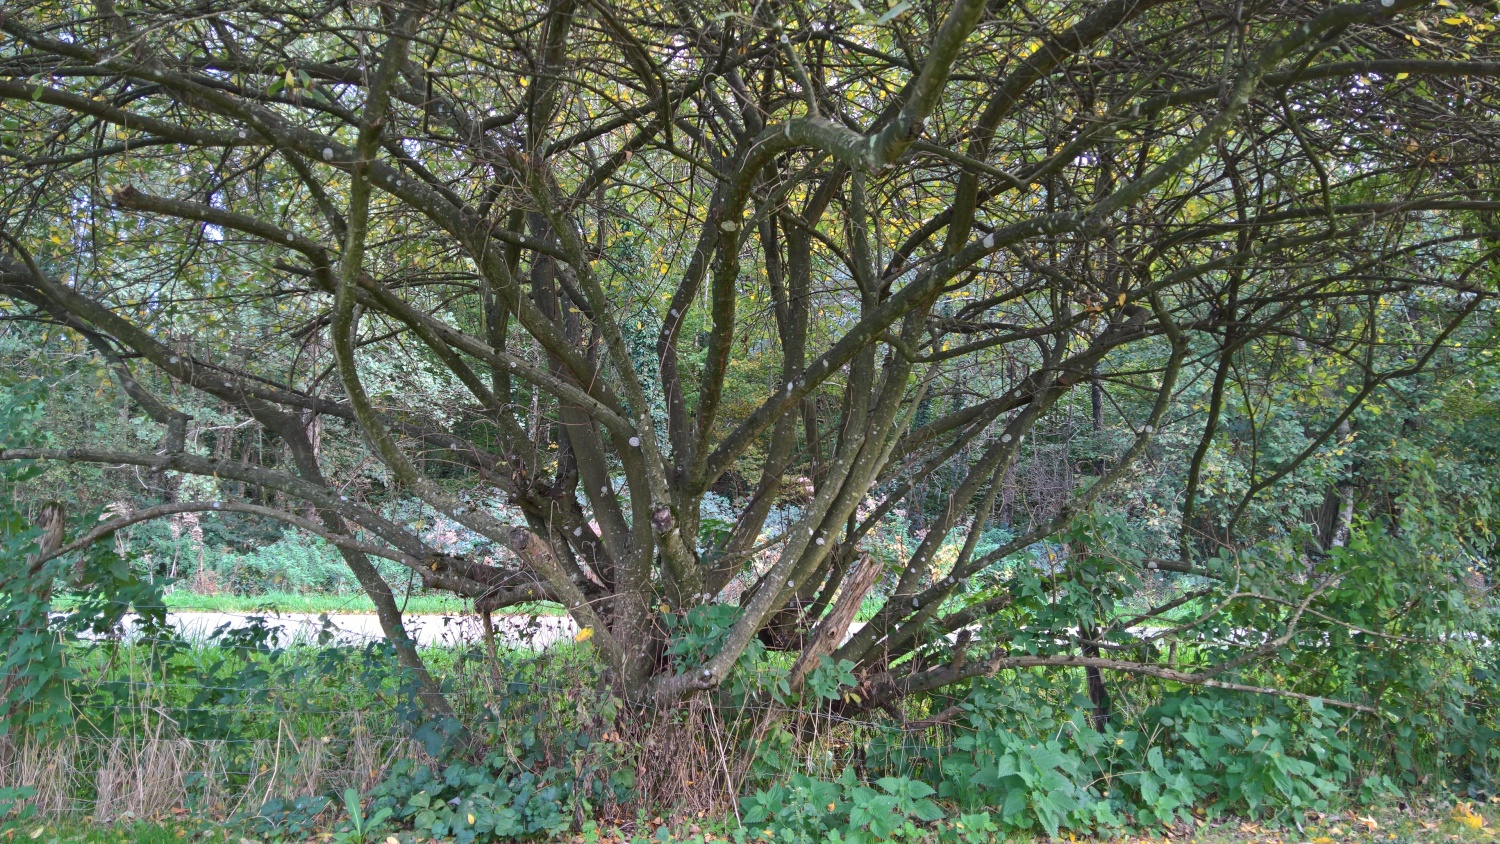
[1322, 839]
[1456, 20]
[471, 818]
[1464, 814]
[1121, 302]
[584, 635]
[1404, 75]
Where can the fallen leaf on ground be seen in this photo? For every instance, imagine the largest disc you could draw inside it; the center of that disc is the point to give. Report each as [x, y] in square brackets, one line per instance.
[1464, 813]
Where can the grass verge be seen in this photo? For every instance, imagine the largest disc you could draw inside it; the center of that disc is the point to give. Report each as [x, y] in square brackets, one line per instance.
[1422, 821]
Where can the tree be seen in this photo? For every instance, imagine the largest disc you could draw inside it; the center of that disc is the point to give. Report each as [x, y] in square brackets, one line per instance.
[566, 272]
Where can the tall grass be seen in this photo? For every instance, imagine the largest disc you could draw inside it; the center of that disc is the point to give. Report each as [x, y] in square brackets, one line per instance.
[159, 774]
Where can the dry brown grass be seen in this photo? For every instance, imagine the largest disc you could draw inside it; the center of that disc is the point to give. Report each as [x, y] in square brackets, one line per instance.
[159, 773]
[685, 759]
[47, 767]
[694, 762]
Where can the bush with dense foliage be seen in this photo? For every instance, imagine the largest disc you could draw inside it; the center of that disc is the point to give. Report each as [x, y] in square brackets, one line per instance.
[828, 364]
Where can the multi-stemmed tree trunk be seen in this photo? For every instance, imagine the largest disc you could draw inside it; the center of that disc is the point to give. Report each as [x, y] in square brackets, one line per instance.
[578, 263]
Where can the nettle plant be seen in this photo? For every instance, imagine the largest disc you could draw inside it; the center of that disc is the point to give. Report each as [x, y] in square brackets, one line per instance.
[560, 272]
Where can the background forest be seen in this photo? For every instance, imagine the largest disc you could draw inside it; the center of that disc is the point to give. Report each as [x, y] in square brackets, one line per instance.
[776, 421]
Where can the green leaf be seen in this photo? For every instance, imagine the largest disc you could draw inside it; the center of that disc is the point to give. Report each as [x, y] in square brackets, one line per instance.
[895, 12]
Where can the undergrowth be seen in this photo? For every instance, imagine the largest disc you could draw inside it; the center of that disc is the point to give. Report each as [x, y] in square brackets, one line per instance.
[277, 741]
[285, 741]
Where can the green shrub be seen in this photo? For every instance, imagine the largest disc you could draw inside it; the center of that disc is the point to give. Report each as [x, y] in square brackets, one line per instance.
[1035, 780]
[292, 819]
[491, 801]
[1238, 755]
[1043, 767]
[805, 810]
[294, 563]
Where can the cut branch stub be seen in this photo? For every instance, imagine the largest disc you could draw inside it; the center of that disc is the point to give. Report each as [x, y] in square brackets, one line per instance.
[521, 542]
